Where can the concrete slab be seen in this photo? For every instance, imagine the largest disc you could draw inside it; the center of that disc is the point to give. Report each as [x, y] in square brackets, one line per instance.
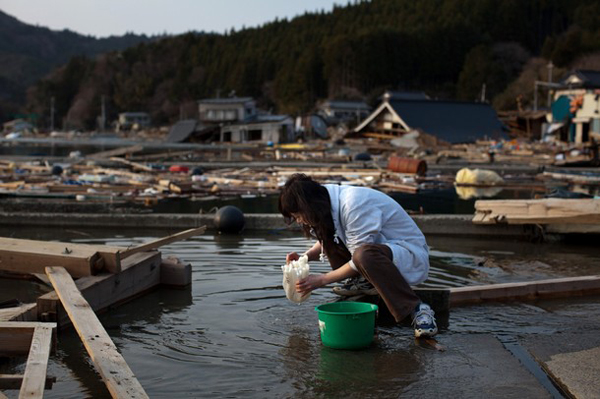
[578, 371]
[572, 361]
[475, 365]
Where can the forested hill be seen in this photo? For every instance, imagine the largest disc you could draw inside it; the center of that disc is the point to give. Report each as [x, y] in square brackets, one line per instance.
[448, 48]
[27, 53]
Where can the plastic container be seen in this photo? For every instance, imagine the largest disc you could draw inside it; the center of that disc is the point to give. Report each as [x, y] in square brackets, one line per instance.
[347, 325]
[407, 165]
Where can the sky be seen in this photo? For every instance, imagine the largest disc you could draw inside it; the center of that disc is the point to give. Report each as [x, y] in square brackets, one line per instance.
[102, 18]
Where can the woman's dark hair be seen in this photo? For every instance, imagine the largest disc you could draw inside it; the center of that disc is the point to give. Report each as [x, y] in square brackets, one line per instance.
[304, 196]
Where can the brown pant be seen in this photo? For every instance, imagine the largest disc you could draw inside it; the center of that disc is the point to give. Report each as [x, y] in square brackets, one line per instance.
[374, 262]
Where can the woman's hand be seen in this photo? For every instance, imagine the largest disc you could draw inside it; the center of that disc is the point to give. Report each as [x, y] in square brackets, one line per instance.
[291, 256]
[311, 282]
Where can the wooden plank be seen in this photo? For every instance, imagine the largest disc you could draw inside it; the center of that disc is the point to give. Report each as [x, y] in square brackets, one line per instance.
[140, 273]
[25, 312]
[34, 378]
[118, 377]
[134, 165]
[163, 241]
[14, 381]
[28, 256]
[116, 152]
[16, 337]
[551, 288]
[542, 211]
[31, 256]
[3, 396]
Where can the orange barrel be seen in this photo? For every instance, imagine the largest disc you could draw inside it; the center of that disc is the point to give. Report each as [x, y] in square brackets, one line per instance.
[407, 165]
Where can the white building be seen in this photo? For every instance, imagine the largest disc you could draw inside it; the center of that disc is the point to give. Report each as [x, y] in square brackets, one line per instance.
[133, 120]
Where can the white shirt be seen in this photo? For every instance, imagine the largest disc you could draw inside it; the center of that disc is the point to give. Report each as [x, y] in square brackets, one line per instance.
[366, 216]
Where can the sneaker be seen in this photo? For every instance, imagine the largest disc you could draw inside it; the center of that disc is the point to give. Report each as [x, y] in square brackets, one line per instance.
[355, 286]
[424, 321]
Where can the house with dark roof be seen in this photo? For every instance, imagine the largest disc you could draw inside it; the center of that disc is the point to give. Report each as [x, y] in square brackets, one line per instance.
[451, 121]
[575, 110]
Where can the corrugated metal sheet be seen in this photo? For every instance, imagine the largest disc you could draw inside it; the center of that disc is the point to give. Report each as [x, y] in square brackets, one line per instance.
[181, 131]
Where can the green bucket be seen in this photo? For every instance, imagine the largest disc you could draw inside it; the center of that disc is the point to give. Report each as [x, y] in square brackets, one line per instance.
[347, 325]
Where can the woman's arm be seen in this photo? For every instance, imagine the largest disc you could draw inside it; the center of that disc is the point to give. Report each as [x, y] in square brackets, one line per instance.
[314, 252]
[314, 281]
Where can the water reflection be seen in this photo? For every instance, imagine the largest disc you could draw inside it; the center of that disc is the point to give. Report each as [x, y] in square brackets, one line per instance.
[469, 192]
[383, 370]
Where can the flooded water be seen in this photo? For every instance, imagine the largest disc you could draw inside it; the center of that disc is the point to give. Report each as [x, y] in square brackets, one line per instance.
[233, 334]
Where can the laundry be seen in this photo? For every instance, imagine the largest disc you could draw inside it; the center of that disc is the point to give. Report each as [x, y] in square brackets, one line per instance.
[293, 272]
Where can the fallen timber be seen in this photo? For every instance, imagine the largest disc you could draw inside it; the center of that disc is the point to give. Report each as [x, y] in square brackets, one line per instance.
[564, 215]
[28, 256]
[443, 299]
[141, 268]
[118, 377]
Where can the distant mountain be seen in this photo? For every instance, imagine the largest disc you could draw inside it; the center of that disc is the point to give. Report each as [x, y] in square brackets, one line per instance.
[452, 49]
[28, 53]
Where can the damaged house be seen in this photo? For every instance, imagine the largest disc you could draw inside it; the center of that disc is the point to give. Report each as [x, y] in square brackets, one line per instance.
[451, 121]
[575, 115]
[235, 120]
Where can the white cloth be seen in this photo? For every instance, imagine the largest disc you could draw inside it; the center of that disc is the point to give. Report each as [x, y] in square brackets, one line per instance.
[366, 216]
[292, 272]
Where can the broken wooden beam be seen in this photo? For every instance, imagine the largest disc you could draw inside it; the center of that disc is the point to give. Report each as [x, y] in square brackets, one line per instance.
[30, 256]
[140, 273]
[118, 377]
[163, 241]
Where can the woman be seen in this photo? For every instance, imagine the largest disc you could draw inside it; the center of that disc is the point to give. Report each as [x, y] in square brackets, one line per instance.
[363, 232]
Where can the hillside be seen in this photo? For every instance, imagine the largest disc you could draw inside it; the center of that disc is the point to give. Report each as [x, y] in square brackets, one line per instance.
[448, 48]
[27, 53]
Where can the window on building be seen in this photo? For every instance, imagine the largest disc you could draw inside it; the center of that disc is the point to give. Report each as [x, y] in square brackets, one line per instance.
[254, 135]
[596, 125]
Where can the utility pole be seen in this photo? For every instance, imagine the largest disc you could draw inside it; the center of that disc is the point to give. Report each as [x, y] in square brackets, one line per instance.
[52, 114]
[550, 66]
[482, 96]
[103, 116]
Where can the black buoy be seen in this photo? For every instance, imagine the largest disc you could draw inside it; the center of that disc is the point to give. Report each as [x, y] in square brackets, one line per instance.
[229, 219]
[57, 170]
[362, 156]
